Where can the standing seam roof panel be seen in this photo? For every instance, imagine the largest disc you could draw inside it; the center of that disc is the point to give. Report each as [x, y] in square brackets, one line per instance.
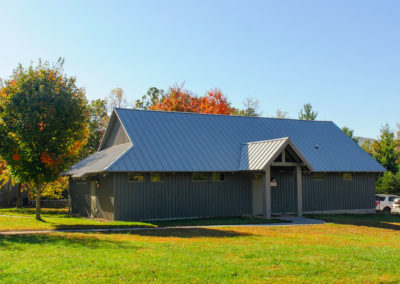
[170, 141]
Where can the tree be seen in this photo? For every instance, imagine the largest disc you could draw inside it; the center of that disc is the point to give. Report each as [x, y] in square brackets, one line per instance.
[350, 132]
[385, 150]
[116, 98]
[151, 98]
[178, 99]
[43, 125]
[281, 114]
[307, 113]
[388, 183]
[98, 120]
[57, 189]
[215, 102]
[250, 108]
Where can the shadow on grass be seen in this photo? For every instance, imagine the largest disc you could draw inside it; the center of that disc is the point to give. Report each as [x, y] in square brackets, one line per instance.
[31, 211]
[216, 221]
[98, 226]
[87, 238]
[369, 220]
[17, 242]
[184, 233]
[170, 223]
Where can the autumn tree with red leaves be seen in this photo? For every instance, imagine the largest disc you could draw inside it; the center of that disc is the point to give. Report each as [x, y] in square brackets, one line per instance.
[43, 125]
[177, 99]
[215, 102]
[180, 99]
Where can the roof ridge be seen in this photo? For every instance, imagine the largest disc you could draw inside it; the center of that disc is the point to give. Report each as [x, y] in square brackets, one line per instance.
[219, 115]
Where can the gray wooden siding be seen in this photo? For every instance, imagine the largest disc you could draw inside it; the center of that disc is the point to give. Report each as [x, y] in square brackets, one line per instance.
[334, 193]
[105, 198]
[180, 197]
[80, 197]
[116, 136]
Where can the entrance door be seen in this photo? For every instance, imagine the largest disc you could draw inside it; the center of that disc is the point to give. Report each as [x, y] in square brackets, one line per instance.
[92, 198]
[283, 195]
[257, 187]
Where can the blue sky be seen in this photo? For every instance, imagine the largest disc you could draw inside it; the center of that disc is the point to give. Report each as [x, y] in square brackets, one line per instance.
[341, 56]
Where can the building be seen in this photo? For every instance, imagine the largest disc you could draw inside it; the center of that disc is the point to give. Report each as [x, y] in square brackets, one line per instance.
[162, 165]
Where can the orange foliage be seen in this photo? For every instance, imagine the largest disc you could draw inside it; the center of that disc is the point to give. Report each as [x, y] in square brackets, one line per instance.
[182, 100]
[215, 102]
[75, 147]
[178, 99]
[47, 159]
[16, 157]
[41, 125]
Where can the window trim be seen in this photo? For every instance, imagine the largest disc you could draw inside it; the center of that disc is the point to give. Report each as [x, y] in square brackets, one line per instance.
[136, 181]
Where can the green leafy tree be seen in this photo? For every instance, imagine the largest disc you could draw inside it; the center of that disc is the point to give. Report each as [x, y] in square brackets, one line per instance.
[153, 97]
[43, 125]
[385, 150]
[350, 132]
[307, 113]
[98, 120]
[388, 183]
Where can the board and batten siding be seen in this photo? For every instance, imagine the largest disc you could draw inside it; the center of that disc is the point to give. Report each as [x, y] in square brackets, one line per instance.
[180, 197]
[79, 192]
[333, 193]
[105, 197]
[116, 136]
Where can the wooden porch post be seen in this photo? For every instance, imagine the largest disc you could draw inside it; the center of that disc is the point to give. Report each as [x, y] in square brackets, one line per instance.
[299, 192]
[267, 193]
[92, 199]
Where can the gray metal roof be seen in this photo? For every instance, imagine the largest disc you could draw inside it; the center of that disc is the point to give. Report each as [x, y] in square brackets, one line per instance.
[99, 161]
[259, 155]
[190, 142]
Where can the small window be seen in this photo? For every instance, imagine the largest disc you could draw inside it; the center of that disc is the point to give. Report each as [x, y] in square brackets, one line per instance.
[199, 177]
[80, 180]
[158, 177]
[392, 198]
[347, 176]
[218, 177]
[318, 176]
[257, 176]
[135, 177]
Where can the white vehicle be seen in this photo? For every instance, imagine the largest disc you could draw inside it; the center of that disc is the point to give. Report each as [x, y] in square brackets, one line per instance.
[396, 206]
[384, 202]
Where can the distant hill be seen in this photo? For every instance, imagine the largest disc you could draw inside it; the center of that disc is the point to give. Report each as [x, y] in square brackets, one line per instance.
[361, 140]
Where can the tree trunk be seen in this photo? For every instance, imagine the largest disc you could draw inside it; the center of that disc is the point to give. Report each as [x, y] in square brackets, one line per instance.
[19, 196]
[38, 195]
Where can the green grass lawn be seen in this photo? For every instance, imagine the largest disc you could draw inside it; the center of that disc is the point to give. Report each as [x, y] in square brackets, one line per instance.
[23, 219]
[349, 248]
[328, 253]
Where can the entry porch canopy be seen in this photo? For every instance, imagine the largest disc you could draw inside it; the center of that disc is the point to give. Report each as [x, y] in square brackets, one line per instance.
[261, 155]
